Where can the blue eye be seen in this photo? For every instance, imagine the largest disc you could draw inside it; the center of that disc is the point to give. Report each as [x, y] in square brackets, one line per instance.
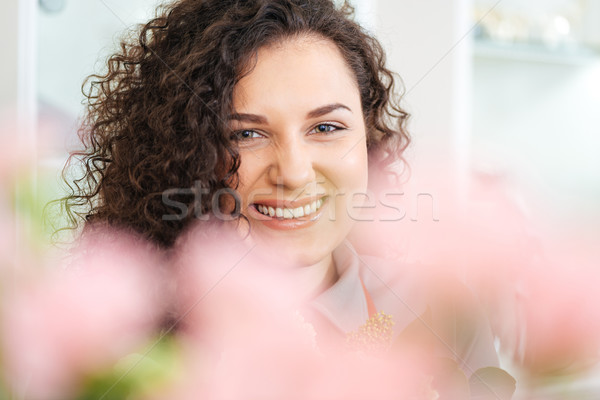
[326, 128]
[246, 135]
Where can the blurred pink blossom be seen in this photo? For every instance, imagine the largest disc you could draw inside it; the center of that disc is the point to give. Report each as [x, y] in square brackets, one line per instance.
[541, 295]
[244, 335]
[80, 319]
[560, 313]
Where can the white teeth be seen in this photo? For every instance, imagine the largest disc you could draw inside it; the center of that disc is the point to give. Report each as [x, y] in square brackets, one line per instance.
[289, 213]
[298, 212]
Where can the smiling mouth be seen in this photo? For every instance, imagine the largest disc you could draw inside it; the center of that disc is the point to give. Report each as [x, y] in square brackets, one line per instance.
[283, 213]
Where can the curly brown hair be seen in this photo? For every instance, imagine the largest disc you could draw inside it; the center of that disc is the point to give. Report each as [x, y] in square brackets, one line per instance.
[157, 120]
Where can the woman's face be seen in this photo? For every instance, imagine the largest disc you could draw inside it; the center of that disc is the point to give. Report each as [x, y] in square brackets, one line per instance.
[301, 131]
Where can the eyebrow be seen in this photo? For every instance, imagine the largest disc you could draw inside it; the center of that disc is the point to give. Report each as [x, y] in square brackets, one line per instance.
[252, 118]
[317, 112]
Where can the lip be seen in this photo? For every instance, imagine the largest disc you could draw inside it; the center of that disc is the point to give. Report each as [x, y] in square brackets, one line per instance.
[288, 203]
[287, 224]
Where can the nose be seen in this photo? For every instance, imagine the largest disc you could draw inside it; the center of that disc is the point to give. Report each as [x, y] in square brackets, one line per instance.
[293, 166]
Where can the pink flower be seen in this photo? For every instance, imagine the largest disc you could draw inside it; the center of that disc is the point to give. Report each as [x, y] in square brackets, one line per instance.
[79, 320]
[244, 336]
[559, 304]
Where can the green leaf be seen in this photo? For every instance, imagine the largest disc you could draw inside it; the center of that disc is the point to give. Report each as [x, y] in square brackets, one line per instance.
[492, 383]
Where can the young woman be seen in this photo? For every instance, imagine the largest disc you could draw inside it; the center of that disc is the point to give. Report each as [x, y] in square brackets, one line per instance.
[289, 104]
[269, 116]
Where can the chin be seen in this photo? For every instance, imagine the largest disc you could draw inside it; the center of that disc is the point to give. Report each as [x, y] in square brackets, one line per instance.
[291, 253]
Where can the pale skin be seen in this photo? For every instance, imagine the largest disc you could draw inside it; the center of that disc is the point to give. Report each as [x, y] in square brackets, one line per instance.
[302, 135]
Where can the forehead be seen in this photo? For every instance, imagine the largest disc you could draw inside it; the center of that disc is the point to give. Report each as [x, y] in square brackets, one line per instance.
[297, 72]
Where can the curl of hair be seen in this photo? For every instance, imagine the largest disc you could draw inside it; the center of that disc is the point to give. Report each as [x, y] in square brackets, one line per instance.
[157, 144]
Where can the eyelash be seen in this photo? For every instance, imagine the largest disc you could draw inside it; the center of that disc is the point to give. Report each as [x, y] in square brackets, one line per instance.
[329, 125]
[238, 134]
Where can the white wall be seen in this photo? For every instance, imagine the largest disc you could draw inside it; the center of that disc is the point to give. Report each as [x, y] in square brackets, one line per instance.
[540, 121]
[535, 115]
[75, 42]
[426, 44]
[8, 66]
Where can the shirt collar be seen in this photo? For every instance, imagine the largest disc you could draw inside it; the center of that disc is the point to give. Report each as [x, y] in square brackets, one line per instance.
[344, 303]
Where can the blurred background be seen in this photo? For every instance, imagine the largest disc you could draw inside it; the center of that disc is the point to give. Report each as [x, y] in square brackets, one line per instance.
[507, 90]
[501, 92]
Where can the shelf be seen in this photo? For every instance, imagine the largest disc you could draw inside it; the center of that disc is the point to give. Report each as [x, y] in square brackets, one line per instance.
[522, 52]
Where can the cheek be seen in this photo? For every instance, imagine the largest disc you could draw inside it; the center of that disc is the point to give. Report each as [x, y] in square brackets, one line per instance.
[350, 178]
[354, 169]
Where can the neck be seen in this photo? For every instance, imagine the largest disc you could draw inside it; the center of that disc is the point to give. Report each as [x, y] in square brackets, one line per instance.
[314, 279]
